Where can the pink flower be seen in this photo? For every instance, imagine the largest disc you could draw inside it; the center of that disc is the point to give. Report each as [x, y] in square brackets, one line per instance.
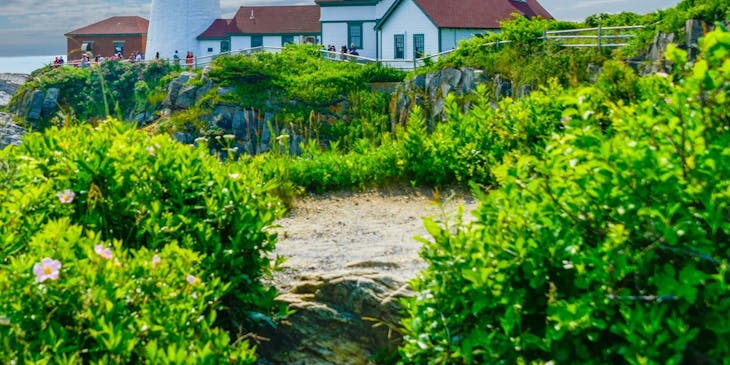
[156, 260]
[151, 150]
[103, 252]
[66, 196]
[46, 269]
[192, 279]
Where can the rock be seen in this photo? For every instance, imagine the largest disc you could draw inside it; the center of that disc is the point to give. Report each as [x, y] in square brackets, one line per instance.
[185, 97]
[175, 86]
[468, 80]
[335, 318]
[419, 82]
[524, 90]
[450, 77]
[50, 102]
[185, 138]
[34, 105]
[502, 88]
[223, 116]
[238, 124]
[9, 84]
[694, 30]
[10, 133]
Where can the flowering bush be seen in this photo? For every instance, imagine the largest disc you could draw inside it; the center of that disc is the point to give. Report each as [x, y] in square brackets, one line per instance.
[71, 298]
[144, 193]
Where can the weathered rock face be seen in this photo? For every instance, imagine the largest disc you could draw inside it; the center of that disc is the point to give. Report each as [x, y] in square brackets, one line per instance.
[9, 84]
[430, 91]
[336, 319]
[10, 133]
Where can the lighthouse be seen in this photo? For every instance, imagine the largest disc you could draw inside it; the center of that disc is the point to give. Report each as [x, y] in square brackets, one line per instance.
[175, 24]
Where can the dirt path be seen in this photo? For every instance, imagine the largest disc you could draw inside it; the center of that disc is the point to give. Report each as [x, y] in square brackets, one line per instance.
[371, 230]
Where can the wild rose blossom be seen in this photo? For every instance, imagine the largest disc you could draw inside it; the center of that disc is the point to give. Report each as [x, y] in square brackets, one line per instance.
[193, 280]
[103, 252]
[46, 269]
[151, 150]
[156, 260]
[66, 196]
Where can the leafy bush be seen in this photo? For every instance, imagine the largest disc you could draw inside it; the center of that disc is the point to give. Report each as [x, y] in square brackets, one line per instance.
[299, 74]
[101, 303]
[100, 91]
[522, 56]
[147, 192]
[611, 247]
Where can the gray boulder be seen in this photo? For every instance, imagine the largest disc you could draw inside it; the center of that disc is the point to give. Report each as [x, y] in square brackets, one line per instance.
[50, 102]
[33, 104]
[175, 86]
[10, 133]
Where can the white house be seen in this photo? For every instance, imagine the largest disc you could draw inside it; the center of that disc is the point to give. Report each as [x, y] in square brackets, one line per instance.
[257, 26]
[414, 28]
[379, 29]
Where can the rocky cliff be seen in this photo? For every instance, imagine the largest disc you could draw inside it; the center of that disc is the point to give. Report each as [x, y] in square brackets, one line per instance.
[9, 84]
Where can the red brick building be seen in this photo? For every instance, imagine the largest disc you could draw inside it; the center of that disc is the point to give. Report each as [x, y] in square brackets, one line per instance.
[125, 34]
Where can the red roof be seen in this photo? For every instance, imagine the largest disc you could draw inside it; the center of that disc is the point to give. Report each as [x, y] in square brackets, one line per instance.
[300, 19]
[219, 29]
[476, 14]
[115, 25]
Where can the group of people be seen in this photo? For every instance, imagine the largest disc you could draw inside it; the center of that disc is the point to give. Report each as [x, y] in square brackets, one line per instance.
[136, 56]
[343, 50]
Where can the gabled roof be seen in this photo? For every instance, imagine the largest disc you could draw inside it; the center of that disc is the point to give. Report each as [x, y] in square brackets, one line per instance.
[472, 14]
[301, 19]
[219, 29]
[114, 25]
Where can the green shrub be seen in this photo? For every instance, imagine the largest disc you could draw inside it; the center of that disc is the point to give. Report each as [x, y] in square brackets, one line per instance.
[611, 247]
[100, 91]
[147, 192]
[106, 304]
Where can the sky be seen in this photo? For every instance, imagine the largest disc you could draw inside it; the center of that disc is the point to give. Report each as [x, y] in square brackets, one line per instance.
[36, 27]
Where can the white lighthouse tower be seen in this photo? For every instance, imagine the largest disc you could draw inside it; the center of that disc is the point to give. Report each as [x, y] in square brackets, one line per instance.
[175, 24]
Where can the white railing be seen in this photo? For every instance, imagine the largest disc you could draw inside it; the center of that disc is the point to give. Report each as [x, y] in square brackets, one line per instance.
[593, 37]
[584, 37]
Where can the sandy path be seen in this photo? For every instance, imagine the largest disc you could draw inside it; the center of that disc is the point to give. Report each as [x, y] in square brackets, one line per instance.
[359, 230]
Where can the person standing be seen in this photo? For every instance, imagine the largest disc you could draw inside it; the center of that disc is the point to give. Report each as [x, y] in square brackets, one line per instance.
[190, 59]
[176, 58]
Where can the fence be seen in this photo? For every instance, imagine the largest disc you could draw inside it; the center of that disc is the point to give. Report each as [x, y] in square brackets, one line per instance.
[609, 37]
[593, 37]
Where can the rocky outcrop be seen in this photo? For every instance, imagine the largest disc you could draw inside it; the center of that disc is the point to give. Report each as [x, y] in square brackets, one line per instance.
[431, 90]
[9, 84]
[340, 318]
[10, 133]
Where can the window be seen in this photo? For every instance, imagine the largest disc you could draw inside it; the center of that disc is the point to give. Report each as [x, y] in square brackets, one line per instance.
[354, 35]
[119, 47]
[225, 46]
[257, 41]
[210, 49]
[399, 41]
[87, 46]
[287, 39]
[419, 46]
